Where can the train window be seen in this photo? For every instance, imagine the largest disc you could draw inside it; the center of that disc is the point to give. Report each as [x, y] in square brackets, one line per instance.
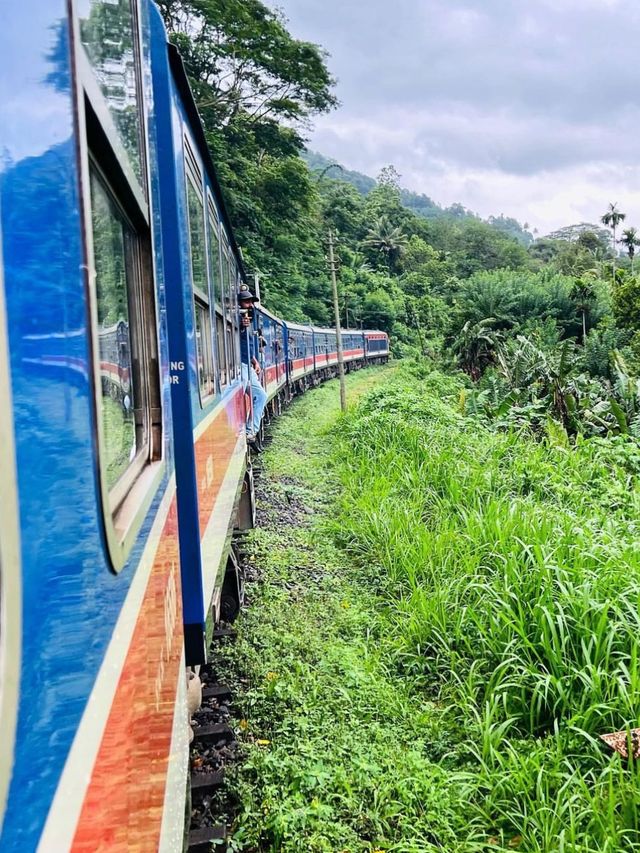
[110, 106]
[217, 290]
[204, 349]
[228, 312]
[235, 317]
[109, 35]
[201, 309]
[124, 405]
[196, 239]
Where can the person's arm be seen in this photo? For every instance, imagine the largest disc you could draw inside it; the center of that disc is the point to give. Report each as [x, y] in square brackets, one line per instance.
[255, 365]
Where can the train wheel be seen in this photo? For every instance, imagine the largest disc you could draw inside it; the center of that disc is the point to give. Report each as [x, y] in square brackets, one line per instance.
[232, 595]
[247, 507]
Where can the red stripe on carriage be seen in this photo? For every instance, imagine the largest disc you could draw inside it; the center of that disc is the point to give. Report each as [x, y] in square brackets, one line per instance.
[273, 373]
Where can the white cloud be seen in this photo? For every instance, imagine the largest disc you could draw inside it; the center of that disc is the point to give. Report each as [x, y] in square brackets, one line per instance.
[531, 109]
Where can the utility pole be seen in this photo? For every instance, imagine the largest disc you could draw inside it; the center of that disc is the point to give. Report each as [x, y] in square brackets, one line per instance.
[336, 311]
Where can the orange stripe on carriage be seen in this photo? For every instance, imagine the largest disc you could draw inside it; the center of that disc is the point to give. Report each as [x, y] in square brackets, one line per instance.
[214, 451]
[123, 805]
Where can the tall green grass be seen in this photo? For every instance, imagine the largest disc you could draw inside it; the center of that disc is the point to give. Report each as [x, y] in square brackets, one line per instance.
[510, 569]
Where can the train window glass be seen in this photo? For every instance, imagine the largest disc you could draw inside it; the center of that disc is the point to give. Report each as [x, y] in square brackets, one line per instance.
[196, 236]
[228, 313]
[235, 317]
[199, 278]
[109, 34]
[123, 407]
[204, 349]
[218, 297]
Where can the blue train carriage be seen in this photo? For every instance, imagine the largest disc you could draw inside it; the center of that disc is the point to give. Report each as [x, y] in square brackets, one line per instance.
[352, 349]
[300, 356]
[93, 674]
[326, 352]
[376, 346]
[272, 357]
[208, 392]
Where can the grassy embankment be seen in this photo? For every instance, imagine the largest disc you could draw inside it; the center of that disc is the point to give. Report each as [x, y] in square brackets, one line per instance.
[433, 652]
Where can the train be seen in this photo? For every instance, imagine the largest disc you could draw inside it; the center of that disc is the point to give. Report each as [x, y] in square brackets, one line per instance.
[124, 464]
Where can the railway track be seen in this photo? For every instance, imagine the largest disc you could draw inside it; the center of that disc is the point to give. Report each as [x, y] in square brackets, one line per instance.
[214, 748]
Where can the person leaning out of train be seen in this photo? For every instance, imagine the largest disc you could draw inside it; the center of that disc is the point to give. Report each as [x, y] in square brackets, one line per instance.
[250, 365]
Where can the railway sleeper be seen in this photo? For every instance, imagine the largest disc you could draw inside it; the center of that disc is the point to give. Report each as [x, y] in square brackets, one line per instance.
[216, 691]
[200, 840]
[204, 783]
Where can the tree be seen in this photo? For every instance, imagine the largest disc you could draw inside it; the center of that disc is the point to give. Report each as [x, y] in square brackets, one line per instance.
[626, 301]
[583, 294]
[389, 177]
[385, 239]
[242, 60]
[630, 239]
[612, 218]
[257, 88]
[342, 209]
[378, 310]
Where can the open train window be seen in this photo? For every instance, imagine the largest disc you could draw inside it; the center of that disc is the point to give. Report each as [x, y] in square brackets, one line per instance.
[122, 305]
[199, 278]
[217, 291]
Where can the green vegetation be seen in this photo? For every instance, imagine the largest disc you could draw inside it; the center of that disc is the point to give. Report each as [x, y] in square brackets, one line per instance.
[337, 744]
[432, 668]
[119, 438]
[510, 571]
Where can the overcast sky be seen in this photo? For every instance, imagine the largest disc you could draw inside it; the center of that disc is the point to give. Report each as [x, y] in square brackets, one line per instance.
[529, 108]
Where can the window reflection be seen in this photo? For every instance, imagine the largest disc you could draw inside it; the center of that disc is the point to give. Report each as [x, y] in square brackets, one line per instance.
[108, 33]
[196, 231]
[118, 395]
[204, 349]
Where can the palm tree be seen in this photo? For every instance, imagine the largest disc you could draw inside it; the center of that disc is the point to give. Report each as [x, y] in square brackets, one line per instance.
[357, 262]
[630, 239]
[583, 294]
[387, 239]
[612, 218]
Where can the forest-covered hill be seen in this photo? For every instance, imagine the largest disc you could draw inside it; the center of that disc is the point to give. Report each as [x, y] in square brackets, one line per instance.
[419, 203]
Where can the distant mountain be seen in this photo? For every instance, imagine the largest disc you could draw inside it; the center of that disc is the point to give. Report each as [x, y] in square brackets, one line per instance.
[419, 203]
[317, 162]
